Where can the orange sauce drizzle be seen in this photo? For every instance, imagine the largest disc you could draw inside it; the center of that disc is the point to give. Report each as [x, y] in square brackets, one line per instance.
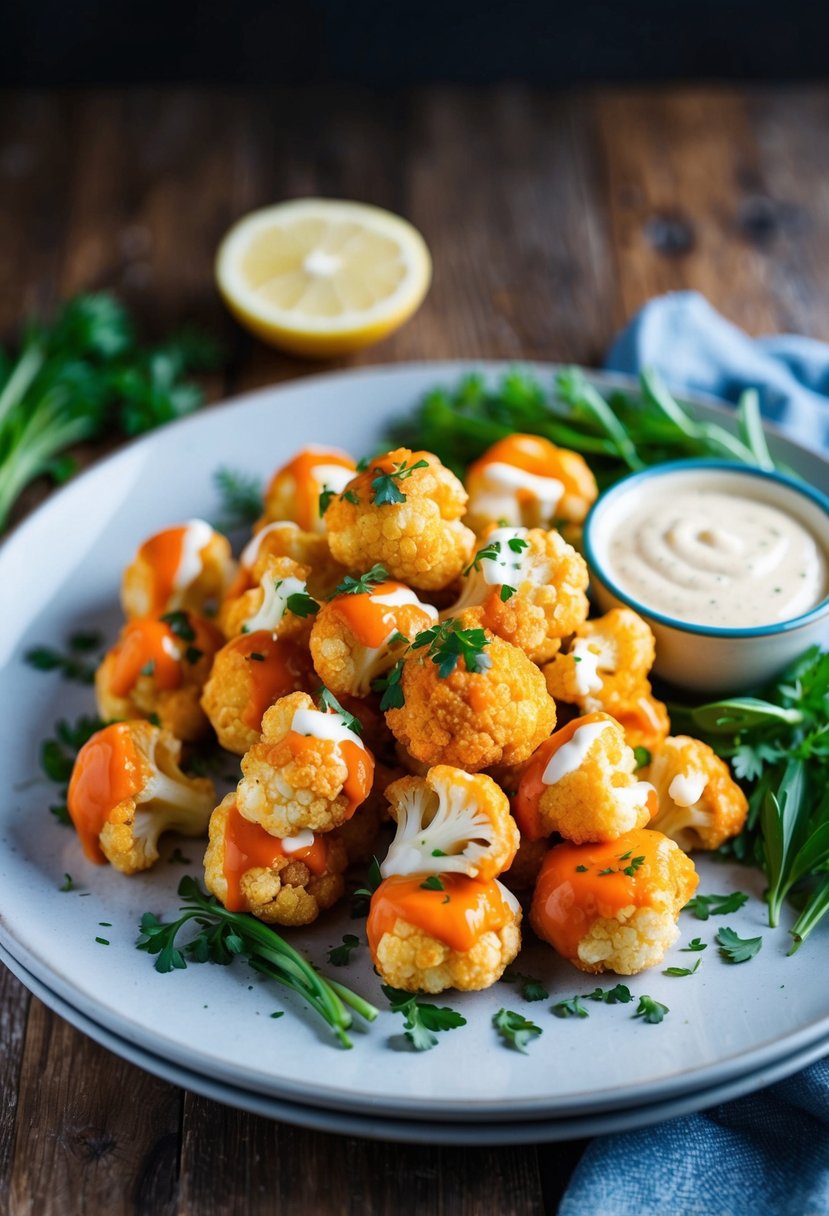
[358, 760]
[306, 487]
[472, 909]
[146, 641]
[567, 901]
[162, 553]
[107, 771]
[249, 847]
[283, 668]
[531, 786]
[371, 623]
[642, 717]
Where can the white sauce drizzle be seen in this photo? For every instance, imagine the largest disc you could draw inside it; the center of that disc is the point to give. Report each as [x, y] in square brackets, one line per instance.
[687, 788]
[501, 481]
[323, 726]
[570, 756]
[302, 840]
[251, 549]
[333, 476]
[197, 534]
[507, 568]
[274, 603]
[631, 797]
[169, 647]
[586, 677]
[400, 597]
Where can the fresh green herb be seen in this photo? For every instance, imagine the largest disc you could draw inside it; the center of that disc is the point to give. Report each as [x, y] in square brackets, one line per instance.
[517, 544]
[489, 553]
[57, 755]
[102, 941]
[256, 657]
[531, 988]
[180, 625]
[696, 943]
[301, 604]
[384, 486]
[433, 883]
[571, 1008]
[618, 995]
[516, 1031]
[506, 593]
[352, 497]
[736, 949]
[421, 1020]
[363, 585]
[328, 702]
[581, 869]
[177, 858]
[70, 665]
[279, 1013]
[607, 870]
[704, 906]
[631, 869]
[149, 668]
[340, 956]
[192, 654]
[642, 756]
[650, 1010]
[449, 642]
[391, 688]
[438, 853]
[241, 496]
[326, 494]
[225, 935]
[361, 898]
[679, 971]
[67, 884]
[105, 924]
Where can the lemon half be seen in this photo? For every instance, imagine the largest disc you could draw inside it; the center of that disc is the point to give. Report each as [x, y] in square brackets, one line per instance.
[322, 277]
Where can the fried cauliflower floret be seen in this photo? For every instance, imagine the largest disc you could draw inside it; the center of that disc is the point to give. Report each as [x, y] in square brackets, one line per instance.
[528, 482]
[530, 587]
[158, 668]
[422, 942]
[580, 783]
[450, 822]
[283, 538]
[360, 634]
[606, 667]
[613, 906]
[700, 805]
[526, 866]
[184, 567]
[127, 789]
[278, 602]
[309, 770]
[283, 882]
[295, 488]
[404, 511]
[249, 674]
[497, 712]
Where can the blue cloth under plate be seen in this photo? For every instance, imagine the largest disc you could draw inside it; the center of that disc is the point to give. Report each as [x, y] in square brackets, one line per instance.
[766, 1154]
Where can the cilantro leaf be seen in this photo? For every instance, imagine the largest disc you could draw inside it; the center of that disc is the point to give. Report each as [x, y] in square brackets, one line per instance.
[736, 949]
[516, 1031]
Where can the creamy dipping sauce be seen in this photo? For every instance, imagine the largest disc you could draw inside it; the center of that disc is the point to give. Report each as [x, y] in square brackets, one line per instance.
[716, 556]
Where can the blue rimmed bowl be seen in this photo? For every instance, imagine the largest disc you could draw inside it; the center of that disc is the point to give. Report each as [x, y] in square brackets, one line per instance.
[709, 658]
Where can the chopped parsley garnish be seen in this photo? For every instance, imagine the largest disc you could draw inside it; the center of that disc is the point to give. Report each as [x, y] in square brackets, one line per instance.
[449, 642]
[192, 654]
[326, 494]
[438, 853]
[70, 665]
[179, 623]
[241, 494]
[256, 657]
[433, 883]
[515, 1030]
[571, 1008]
[506, 593]
[517, 544]
[581, 869]
[102, 941]
[642, 756]
[364, 584]
[385, 489]
[301, 604]
[679, 971]
[736, 949]
[421, 1019]
[704, 906]
[531, 988]
[650, 1010]
[620, 994]
[391, 688]
[340, 956]
[278, 1013]
[489, 553]
[352, 497]
[177, 858]
[361, 898]
[631, 869]
[696, 943]
[149, 668]
[67, 884]
[328, 702]
[57, 755]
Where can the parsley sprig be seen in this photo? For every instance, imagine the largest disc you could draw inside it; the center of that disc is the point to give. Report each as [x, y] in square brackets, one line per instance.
[449, 642]
[362, 585]
[58, 753]
[385, 487]
[71, 662]
[704, 906]
[421, 1019]
[735, 949]
[223, 936]
[516, 1030]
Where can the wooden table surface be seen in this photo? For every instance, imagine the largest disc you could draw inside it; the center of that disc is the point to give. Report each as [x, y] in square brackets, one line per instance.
[551, 220]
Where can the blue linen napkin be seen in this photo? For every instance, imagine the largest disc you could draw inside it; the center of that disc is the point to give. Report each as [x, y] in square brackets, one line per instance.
[767, 1153]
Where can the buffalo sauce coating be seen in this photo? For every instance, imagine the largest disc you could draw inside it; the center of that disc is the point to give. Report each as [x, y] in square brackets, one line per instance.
[247, 846]
[307, 488]
[373, 623]
[163, 554]
[531, 785]
[531, 453]
[147, 646]
[108, 770]
[582, 883]
[458, 915]
[274, 667]
[358, 761]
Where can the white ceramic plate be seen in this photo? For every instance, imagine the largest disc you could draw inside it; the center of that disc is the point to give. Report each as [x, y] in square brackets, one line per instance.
[59, 572]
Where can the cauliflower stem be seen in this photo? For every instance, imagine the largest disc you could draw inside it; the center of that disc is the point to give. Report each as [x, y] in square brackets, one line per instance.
[224, 935]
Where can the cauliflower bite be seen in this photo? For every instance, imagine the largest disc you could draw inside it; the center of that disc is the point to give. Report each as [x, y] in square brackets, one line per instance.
[283, 882]
[531, 588]
[458, 933]
[249, 674]
[278, 602]
[490, 708]
[127, 789]
[613, 906]
[286, 539]
[184, 567]
[580, 784]
[526, 865]
[309, 770]
[528, 482]
[360, 634]
[700, 805]
[606, 668]
[450, 822]
[403, 511]
[158, 667]
[295, 489]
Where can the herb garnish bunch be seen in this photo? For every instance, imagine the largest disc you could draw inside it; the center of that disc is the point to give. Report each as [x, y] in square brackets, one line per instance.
[81, 377]
[618, 432]
[777, 744]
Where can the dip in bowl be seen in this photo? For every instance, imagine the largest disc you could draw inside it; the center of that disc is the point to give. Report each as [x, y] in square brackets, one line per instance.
[728, 564]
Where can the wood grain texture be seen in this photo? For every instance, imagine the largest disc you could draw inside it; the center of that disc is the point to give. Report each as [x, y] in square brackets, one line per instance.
[14, 1010]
